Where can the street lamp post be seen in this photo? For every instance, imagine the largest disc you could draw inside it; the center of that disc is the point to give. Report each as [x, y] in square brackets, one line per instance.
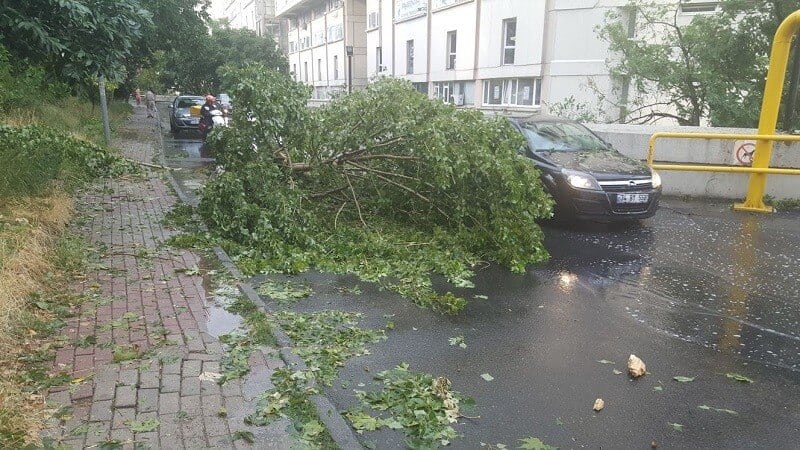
[349, 50]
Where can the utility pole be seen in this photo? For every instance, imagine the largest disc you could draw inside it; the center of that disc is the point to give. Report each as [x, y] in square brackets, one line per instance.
[104, 109]
[349, 51]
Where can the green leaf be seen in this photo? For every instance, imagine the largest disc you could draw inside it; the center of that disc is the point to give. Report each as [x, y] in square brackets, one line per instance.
[532, 443]
[143, 426]
[487, 377]
[682, 379]
[605, 361]
[676, 426]
[658, 388]
[363, 422]
[739, 377]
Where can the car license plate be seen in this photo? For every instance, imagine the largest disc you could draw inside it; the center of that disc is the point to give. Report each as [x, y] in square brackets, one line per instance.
[633, 198]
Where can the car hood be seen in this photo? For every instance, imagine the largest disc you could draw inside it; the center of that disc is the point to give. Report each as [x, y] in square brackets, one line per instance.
[597, 162]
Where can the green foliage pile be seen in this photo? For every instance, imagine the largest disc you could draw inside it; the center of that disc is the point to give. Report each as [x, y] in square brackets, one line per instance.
[421, 405]
[383, 183]
[31, 157]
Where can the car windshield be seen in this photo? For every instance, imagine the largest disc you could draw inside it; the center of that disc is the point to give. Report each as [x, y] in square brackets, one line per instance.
[188, 102]
[561, 137]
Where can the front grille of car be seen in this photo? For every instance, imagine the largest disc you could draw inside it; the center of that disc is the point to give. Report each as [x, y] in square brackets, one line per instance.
[626, 185]
[628, 208]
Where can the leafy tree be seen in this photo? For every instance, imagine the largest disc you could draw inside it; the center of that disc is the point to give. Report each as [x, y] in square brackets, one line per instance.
[76, 39]
[384, 183]
[179, 27]
[199, 66]
[710, 67]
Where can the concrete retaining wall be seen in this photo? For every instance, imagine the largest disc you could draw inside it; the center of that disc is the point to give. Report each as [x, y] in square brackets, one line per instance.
[631, 140]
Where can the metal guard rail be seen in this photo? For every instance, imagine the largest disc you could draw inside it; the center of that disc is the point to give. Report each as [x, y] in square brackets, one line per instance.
[718, 168]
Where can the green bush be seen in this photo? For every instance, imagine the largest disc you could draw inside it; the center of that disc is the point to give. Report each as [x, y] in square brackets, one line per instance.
[33, 156]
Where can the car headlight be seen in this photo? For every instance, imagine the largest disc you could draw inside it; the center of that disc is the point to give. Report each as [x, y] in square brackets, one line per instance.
[581, 180]
[656, 179]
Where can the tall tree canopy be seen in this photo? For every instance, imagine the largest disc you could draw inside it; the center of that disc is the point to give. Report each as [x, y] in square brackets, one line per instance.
[707, 67]
[73, 39]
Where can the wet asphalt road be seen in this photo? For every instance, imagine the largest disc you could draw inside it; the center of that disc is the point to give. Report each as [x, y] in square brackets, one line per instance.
[697, 291]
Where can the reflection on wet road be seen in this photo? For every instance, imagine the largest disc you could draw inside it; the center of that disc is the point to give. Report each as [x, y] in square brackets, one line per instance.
[727, 282]
[697, 291]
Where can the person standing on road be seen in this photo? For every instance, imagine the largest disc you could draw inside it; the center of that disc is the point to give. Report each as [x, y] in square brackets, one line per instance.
[150, 100]
[137, 95]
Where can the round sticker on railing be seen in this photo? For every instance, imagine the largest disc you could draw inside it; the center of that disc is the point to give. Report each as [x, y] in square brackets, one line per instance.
[743, 152]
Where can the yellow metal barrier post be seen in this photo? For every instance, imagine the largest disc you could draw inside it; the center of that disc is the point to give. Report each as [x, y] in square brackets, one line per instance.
[768, 120]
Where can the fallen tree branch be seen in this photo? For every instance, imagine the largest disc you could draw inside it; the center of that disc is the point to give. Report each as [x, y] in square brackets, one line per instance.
[355, 199]
[155, 166]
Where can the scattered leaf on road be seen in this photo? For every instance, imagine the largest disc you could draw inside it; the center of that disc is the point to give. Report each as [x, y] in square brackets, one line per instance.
[487, 377]
[658, 388]
[605, 361]
[458, 340]
[616, 372]
[599, 404]
[676, 426]
[722, 410]
[683, 379]
[532, 443]
[482, 297]
[739, 377]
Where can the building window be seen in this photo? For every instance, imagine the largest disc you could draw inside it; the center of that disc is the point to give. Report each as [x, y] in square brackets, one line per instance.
[698, 6]
[512, 91]
[319, 38]
[454, 92]
[292, 47]
[451, 50]
[373, 20]
[335, 67]
[305, 71]
[410, 56]
[334, 4]
[421, 87]
[509, 40]
[319, 69]
[378, 59]
[335, 32]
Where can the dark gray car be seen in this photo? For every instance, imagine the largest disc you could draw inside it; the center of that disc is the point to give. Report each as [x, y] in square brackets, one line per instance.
[586, 176]
[179, 117]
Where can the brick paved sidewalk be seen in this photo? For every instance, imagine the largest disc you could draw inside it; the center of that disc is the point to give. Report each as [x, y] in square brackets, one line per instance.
[142, 301]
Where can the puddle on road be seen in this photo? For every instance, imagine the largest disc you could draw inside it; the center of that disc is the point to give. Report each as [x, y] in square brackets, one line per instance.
[218, 320]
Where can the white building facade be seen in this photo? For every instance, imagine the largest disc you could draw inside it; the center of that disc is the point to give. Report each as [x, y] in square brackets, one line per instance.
[256, 15]
[496, 55]
[326, 43]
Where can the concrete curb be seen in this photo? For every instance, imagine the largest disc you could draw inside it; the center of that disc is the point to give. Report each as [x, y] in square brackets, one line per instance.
[340, 431]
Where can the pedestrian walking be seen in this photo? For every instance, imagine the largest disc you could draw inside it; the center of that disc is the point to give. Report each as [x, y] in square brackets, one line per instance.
[137, 95]
[150, 99]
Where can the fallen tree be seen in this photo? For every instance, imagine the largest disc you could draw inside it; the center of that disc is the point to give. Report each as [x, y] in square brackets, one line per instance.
[383, 182]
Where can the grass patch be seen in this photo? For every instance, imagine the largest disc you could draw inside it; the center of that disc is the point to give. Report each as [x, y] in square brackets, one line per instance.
[36, 264]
